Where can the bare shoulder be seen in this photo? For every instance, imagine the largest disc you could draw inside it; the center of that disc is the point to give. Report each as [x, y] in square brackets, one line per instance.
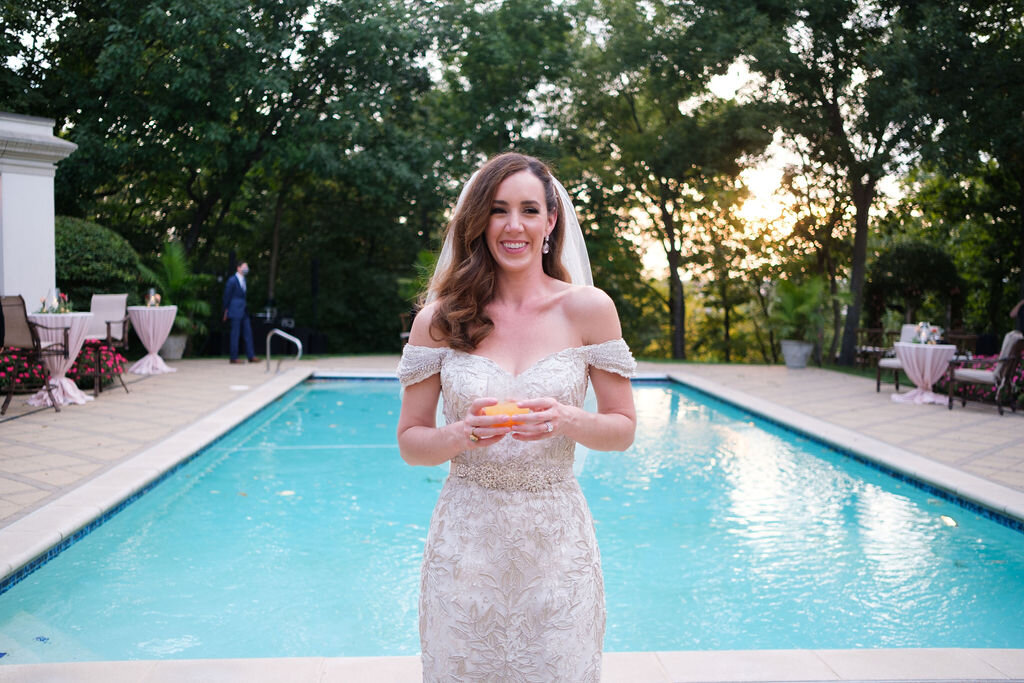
[422, 326]
[593, 313]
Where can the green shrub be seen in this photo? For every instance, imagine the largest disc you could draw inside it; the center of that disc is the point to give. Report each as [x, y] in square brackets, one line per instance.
[92, 259]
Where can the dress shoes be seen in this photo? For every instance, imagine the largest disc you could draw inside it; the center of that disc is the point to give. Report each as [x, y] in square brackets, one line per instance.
[237, 361]
[254, 359]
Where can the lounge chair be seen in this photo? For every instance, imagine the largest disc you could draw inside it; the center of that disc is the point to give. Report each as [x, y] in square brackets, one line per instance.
[22, 334]
[999, 374]
[889, 361]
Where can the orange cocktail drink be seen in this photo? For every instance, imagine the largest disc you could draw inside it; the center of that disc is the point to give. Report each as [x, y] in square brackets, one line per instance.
[506, 408]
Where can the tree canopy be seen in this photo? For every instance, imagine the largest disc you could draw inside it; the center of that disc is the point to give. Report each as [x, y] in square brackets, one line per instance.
[324, 142]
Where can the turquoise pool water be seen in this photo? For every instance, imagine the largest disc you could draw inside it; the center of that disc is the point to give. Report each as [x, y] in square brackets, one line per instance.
[300, 534]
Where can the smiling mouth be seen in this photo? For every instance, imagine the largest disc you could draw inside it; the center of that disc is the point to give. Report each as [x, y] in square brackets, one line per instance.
[514, 246]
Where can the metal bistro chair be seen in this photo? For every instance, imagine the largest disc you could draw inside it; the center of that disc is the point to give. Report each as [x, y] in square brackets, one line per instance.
[870, 345]
[965, 343]
[999, 374]
[889, 361]
[22, 334]
[108, 327]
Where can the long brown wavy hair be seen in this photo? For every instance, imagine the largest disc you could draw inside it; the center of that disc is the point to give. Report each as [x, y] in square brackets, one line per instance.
[468, 285]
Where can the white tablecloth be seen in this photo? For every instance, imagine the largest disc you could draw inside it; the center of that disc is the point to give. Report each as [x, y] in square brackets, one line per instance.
[924, 365]
[64, 390]
[152, 324]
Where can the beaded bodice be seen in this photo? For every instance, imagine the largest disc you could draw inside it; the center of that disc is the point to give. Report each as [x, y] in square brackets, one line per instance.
[562, 375]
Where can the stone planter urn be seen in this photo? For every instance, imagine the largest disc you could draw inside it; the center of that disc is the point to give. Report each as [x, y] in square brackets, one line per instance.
[796, 352]
[174, 347]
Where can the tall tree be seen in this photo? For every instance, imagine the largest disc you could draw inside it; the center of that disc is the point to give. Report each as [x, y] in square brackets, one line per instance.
[185, 100]
[27, 39]
[836, 70]
[641, 123]
[820, 215]
[968, 59]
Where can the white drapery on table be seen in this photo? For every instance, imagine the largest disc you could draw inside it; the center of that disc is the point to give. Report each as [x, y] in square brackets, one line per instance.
[152, 324]
[924, 365]
[64, 390]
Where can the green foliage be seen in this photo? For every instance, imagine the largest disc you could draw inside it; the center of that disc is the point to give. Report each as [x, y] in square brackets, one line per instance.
[411, 288]
[660, 144]
[495, 55]
[901, 277]
[177, 285]
[205, 93]
[92, 259]
[796, 310]
[338, 133]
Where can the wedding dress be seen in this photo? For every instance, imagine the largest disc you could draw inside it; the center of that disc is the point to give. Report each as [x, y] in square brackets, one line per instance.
[511, 586]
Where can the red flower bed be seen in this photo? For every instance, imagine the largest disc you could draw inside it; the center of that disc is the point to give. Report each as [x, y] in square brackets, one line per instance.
[15, 367]
[83, 371]
[26, 376]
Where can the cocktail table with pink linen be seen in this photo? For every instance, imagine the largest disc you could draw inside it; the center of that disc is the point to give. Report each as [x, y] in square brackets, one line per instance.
[64, 390]
[152, 324]
[924, 365]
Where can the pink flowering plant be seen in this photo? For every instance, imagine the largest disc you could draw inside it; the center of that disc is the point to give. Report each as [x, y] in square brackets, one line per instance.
[111, 364]
[16, 369]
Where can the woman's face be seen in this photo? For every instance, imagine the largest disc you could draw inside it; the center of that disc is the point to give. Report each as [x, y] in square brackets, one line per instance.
[519, 221]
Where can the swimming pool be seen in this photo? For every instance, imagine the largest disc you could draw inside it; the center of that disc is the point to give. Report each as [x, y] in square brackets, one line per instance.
[300, 534]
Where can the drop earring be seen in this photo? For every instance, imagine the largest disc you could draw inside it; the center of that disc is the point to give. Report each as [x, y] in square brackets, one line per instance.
[546, 249]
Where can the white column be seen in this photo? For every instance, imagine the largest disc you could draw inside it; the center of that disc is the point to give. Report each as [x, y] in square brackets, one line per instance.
[29, 153]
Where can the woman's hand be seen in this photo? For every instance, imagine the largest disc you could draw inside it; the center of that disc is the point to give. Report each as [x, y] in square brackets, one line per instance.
[480, 430]
[547, 418]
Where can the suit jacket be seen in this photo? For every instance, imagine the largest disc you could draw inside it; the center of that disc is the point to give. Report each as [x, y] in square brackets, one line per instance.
[234, 298]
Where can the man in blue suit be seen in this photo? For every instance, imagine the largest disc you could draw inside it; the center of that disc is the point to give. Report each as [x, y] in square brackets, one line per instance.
[237, 312]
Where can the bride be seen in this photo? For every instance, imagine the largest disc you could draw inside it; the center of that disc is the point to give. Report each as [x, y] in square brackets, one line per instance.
[511, 585]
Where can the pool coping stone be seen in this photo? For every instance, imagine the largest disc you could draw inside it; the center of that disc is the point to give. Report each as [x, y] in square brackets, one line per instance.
[749, 666]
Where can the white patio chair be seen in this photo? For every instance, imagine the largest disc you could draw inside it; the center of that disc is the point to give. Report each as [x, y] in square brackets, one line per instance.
[889, 361]
[109, 326]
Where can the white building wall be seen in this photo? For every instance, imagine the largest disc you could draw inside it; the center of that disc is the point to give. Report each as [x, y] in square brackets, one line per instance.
[29, 153]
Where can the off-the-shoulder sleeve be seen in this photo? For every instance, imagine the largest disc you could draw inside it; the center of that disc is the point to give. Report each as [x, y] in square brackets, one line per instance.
[613, 356]
[419, 363]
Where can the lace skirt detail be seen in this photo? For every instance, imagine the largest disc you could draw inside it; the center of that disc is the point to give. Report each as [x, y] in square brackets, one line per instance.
[511, 586]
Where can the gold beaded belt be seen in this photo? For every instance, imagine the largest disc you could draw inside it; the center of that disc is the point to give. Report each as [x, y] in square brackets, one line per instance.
[511, 478]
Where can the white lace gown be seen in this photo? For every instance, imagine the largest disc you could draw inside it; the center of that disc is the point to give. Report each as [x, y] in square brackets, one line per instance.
[511, 586]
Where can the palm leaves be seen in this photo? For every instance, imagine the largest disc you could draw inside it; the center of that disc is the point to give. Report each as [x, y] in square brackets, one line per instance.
[178, 285]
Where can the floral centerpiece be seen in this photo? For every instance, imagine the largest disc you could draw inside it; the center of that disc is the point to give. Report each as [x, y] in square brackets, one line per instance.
[927, 334]
[55, 303]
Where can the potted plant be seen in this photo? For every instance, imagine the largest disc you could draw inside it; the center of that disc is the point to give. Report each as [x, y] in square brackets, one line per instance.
[173, 278]
[796, 314]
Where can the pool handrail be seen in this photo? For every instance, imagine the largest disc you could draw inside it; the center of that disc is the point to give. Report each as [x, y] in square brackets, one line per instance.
[282, 333]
